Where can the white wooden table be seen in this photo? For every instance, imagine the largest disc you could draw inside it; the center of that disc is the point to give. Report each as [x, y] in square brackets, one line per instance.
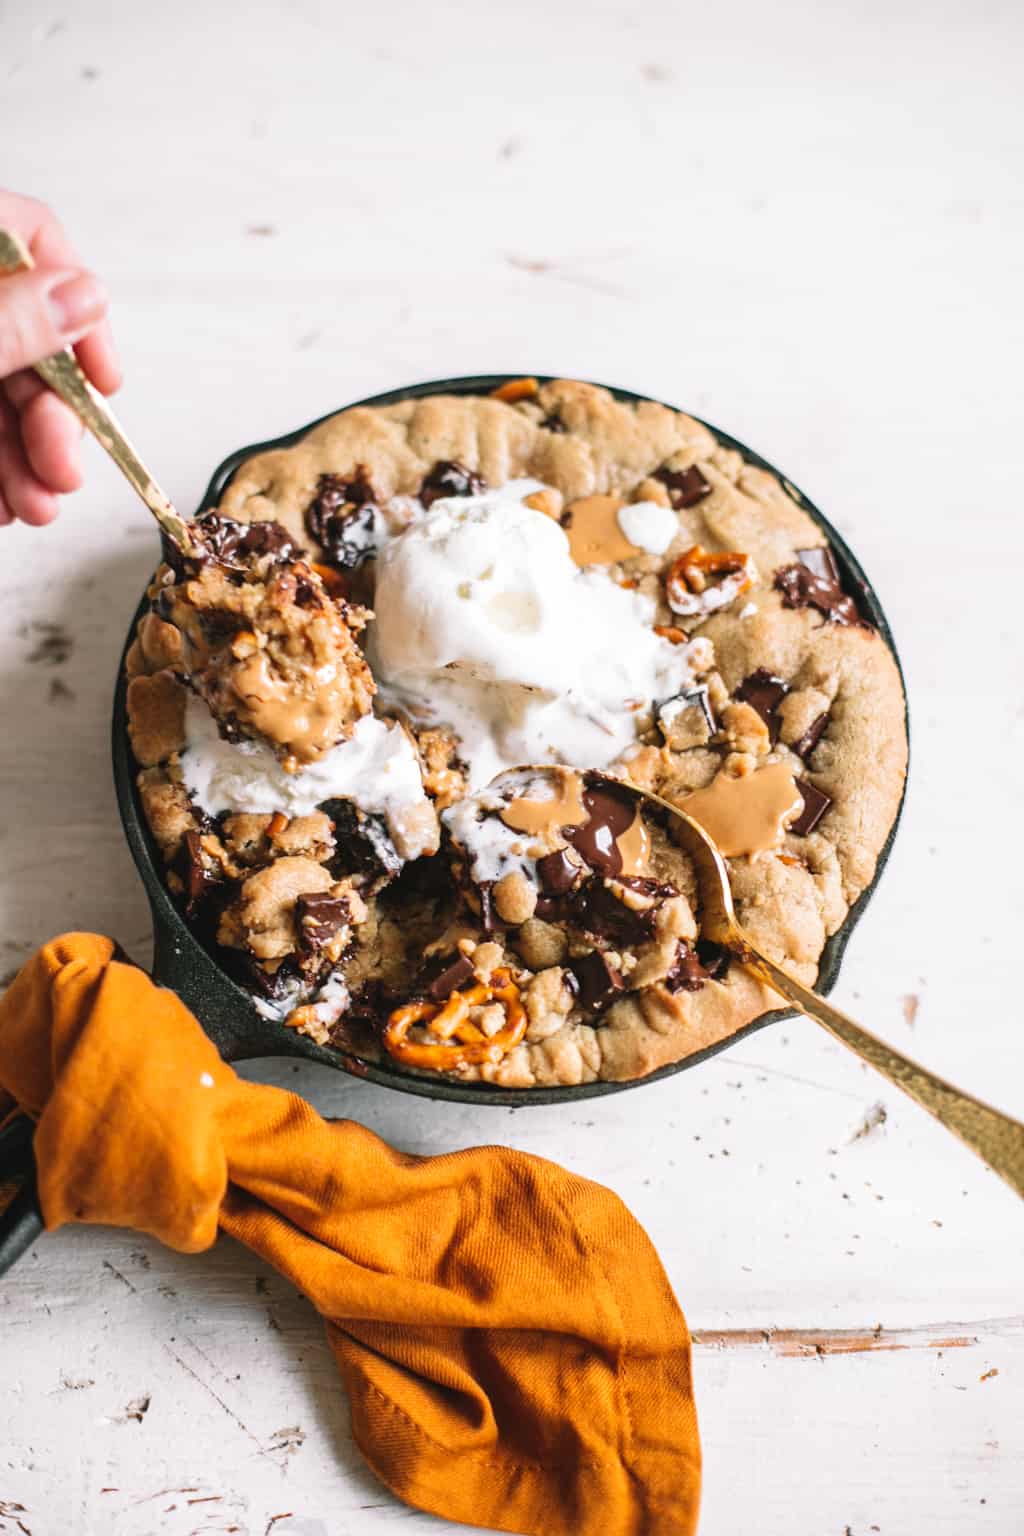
[807, 228]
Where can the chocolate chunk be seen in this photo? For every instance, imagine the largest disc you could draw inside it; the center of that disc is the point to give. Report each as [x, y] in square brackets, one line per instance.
[319, 918]
[810, 738]
[557, 873]
[600, 912]
[687, 973]
[685, 486]
[198, 875]
[553, 423]
[816, 803]
[598, 981]
[362, 843]
[343, 518]
[234, 544]
[450, 478]
[763, 691]
[715, 958]
[612, 812]
[455, 970]
[802, 587]
[487, 911]
[699, 697]
[821, 562]
[272, 984]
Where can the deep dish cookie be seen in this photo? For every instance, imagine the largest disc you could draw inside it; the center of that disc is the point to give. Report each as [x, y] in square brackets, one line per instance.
[556, 577]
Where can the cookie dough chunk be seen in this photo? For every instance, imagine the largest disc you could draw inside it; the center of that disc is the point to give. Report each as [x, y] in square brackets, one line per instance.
[273, 654]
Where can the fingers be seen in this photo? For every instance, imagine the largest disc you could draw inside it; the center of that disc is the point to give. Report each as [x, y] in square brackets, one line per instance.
[41, 312]
[50, 433]
[22, 494]
[98, 357]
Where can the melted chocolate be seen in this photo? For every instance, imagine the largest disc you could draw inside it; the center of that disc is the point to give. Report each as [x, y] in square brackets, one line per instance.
[319, 918]
[813, 582]
[362, 843]
[685, 486]
[715, 958]
[598, 981]
[342, 516]
[450, 478]
[763, 691]
[612, 812]
[223, 541]
[558, 873]
[197, 876]
[810, 738]
[816, 803]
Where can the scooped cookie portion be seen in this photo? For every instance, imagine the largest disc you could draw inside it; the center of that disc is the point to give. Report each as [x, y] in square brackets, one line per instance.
[273, 653]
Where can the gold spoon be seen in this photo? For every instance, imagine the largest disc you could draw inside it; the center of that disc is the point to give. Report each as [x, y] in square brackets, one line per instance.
[62, 373]
[995, 1137]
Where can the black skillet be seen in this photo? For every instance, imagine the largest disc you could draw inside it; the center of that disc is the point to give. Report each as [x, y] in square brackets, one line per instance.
[226, 1010]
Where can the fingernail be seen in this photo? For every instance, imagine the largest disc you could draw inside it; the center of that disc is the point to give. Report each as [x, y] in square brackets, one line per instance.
[76, 302]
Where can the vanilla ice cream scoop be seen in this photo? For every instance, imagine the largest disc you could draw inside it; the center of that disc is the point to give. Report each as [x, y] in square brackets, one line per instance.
[485, 623]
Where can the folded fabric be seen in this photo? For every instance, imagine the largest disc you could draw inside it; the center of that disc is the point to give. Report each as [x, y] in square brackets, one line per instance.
[512, 1351]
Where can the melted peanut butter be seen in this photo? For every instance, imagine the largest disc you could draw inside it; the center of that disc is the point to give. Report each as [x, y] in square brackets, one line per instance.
[592, 526]
[277, 710]
[635, 846]
[564, 809]
[747, 815]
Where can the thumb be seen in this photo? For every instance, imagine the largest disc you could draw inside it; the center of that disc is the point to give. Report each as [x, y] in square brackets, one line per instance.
[41, 312]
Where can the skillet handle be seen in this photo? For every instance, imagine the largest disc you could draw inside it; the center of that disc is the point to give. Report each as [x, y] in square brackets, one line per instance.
[21, 1220]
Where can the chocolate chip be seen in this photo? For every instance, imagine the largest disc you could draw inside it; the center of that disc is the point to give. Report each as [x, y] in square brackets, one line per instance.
[598, 981]
[439, 984]
[821, 561]
[763, 691]
[319, 918]
[802, 586]
[342, 517]
[685, 486]
[558, 873]
[810, 738]
[553, 423]
[450, 478]
[687, 973]
[816, 803]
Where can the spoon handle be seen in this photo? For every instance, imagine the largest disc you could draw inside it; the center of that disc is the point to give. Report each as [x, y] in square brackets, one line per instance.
[62, 373]
[995, 1137]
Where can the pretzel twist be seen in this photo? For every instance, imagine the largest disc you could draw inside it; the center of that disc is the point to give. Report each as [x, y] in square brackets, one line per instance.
[689, 576]
[449, 1022]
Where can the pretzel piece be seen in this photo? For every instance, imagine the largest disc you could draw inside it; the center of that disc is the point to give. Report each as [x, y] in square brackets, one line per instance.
[457, 1041]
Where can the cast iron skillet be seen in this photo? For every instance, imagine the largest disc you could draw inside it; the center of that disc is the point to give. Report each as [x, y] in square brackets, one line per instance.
[225, 1009]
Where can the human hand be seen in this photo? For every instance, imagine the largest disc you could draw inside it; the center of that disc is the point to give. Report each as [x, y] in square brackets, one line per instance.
[58, 304]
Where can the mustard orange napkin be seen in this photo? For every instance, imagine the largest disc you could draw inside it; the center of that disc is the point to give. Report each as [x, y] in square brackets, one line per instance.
[513, 1354]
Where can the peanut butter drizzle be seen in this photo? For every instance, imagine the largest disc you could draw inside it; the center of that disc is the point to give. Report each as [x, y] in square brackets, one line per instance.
[308, 725]
[635, 846]
[592, 527]
[565, 809]
[746, 815]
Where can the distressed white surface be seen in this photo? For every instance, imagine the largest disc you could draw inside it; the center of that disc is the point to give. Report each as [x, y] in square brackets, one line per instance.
[805, 223]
